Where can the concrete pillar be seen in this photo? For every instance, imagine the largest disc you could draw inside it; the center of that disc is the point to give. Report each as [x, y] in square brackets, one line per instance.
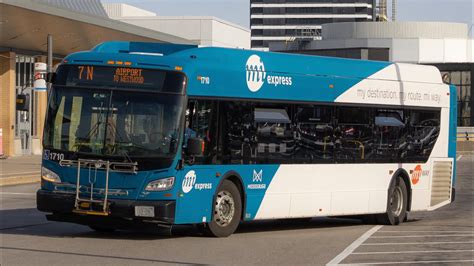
[7, 101]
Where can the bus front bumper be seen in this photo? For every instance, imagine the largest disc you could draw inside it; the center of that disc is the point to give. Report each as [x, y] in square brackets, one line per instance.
[122, 212]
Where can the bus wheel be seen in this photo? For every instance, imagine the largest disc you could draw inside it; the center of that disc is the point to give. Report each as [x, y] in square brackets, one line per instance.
[397, 204]
[227, 211]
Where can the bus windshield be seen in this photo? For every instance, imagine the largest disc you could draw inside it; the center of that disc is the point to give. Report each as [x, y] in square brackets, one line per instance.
[107, 122]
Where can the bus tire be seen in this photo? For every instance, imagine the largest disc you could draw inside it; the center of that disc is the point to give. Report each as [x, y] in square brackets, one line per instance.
[397, 204]
[227, 211]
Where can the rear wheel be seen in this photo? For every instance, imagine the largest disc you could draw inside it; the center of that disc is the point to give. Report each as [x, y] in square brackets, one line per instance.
[227, 211]
[397, 204]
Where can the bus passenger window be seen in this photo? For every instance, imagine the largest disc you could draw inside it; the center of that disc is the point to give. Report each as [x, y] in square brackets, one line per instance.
[353, 138]
[201, 117]
[314, 134]
[422, 135]
[274, 140]
[388, 132]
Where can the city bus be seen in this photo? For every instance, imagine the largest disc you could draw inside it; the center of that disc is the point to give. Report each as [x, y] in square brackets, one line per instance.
[164, 134]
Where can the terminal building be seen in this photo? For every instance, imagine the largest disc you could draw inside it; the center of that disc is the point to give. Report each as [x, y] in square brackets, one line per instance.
[75, 26]
[285, 20]
[202, 30]
[448, 46]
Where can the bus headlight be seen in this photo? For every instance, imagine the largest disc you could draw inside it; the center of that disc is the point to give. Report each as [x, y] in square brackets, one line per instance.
[49, 175]
[160, 184]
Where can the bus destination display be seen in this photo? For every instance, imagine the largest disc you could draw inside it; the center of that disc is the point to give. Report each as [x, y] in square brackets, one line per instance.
[118, 75]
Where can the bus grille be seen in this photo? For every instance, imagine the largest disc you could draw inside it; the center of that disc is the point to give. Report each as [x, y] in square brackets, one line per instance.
[441, 185]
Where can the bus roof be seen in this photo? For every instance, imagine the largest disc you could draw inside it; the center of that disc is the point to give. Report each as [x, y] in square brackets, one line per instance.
[225, 72]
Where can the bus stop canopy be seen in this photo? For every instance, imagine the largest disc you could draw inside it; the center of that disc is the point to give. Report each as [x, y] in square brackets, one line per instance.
[24, 26]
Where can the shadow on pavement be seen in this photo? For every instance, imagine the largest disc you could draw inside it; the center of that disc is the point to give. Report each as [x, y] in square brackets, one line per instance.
[32, 222]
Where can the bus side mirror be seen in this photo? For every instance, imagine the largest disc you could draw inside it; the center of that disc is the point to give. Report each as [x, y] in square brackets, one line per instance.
[195, 147]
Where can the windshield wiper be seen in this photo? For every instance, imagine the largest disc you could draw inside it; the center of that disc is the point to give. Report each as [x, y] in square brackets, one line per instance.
[94, 130]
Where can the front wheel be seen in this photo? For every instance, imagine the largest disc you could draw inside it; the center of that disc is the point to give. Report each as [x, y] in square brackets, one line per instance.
[397, 204]
[227, 211]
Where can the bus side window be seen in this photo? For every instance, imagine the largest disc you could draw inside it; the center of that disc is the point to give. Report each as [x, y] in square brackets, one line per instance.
[353, 135]
[422, 134]
[314, 133]
[389, 139]
[237, 132]
[201, 118]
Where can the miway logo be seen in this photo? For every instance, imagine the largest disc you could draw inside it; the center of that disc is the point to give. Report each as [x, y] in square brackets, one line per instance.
[189, 181]
[255, 73]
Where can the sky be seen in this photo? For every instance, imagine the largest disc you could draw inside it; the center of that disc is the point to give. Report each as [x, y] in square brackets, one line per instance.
[237, 11]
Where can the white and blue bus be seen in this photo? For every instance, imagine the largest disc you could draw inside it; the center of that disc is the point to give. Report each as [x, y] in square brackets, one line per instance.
[160, 134]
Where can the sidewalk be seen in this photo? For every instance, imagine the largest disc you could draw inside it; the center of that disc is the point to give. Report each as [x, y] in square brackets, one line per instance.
[20, 170]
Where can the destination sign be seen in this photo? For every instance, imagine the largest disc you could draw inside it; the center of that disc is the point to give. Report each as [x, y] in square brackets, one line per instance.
[120, 77]
[129, 75]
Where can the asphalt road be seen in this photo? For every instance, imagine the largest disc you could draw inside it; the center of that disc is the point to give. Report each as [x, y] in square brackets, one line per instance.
[445, 236]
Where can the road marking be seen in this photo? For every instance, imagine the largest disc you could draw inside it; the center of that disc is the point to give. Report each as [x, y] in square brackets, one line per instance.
[346, 252]
[410, 262]
[16, 193]
[421, 236]
[379, 232]
[459, 158]
[417, 243]
[410, 251]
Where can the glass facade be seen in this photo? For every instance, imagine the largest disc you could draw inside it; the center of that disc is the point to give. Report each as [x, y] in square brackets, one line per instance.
[460, 75]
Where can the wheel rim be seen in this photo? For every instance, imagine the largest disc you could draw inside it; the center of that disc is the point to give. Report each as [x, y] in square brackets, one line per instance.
[396, 202]
[224, 208]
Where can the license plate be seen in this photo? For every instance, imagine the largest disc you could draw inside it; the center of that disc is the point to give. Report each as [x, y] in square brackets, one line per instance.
[144, 211]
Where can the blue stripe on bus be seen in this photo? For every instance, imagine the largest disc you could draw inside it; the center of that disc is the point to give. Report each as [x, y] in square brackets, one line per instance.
[222, 72]
[453, 112]
[194, 205]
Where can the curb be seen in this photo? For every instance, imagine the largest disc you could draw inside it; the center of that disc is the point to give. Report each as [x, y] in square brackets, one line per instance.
[18, 180]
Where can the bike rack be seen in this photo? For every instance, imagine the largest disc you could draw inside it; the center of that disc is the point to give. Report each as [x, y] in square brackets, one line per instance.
[84, 205]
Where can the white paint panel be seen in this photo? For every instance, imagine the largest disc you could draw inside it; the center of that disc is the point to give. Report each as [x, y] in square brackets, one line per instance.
[417, 73]
[278, 206]
[420, 200]
[350, 202]
[301, 181]
[310, 204]
[376, 89]
[299, 190]
[377, 204]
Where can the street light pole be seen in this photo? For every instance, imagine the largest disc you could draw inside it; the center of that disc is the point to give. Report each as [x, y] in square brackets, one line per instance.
[50, 56]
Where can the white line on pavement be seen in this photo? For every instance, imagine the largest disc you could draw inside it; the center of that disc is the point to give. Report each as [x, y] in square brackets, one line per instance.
[16, 193]
[417, 243]
[379, 232]
[421, 236]
[410, 262]
[459, 157]
[346, 252]
[411, 251]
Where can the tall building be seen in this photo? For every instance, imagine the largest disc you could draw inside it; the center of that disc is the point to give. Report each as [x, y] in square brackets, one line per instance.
[293, 21]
